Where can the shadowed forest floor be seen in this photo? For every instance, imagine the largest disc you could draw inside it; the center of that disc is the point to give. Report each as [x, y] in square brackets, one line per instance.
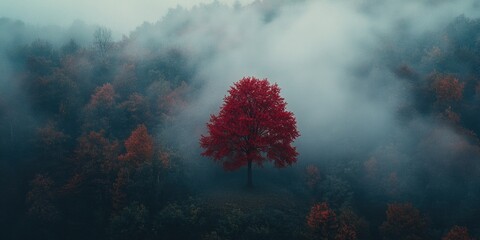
[253, 199]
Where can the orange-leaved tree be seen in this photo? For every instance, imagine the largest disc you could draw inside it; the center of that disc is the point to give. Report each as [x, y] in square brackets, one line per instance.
[404, 221]
[457, 233]
[322, 220]
[252, 126]
[139, 147]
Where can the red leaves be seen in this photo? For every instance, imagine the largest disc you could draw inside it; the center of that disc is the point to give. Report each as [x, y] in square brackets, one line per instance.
[350, 226]
[253, 120]
[99, 111]
[322, 220]
[320, 214]
[346, 232]
[104, 96]
[136, 108]
[448, 88]
[457, 233]
[95, 147]
[139, 146]
[95, 160]
[324, 223]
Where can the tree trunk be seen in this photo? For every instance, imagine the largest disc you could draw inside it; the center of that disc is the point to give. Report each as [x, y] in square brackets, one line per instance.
[249, 176]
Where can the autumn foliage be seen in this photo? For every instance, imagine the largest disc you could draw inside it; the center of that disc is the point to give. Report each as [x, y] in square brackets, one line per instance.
[448, 88]
[94, 149]
[457, 233]
[252, 121]
[324, 223]
[104, 96]
[403, 222]
[350, 226]
[139, 146]
[322, 220]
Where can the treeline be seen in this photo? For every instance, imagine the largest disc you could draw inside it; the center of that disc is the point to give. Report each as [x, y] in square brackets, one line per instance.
[78, 136]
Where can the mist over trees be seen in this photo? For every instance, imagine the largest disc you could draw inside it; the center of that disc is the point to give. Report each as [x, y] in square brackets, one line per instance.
[99, 136]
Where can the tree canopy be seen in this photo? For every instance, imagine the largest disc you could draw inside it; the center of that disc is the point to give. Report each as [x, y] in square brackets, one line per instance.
[253, 125]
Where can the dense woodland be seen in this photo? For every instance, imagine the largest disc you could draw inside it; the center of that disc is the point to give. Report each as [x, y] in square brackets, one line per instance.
[85, 154]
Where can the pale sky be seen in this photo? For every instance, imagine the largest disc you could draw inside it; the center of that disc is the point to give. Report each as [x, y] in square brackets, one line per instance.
[119, 15]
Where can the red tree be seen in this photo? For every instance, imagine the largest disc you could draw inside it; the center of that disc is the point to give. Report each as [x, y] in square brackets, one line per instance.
[457, 233]
[253, 120]
[351, 226]
[139, 146]
[448, 88]
[404, 221]
[100, 111]
[104, 96]
[322, 220]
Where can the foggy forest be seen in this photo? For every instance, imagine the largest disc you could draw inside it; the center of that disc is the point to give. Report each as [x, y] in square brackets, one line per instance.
[370, 112]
